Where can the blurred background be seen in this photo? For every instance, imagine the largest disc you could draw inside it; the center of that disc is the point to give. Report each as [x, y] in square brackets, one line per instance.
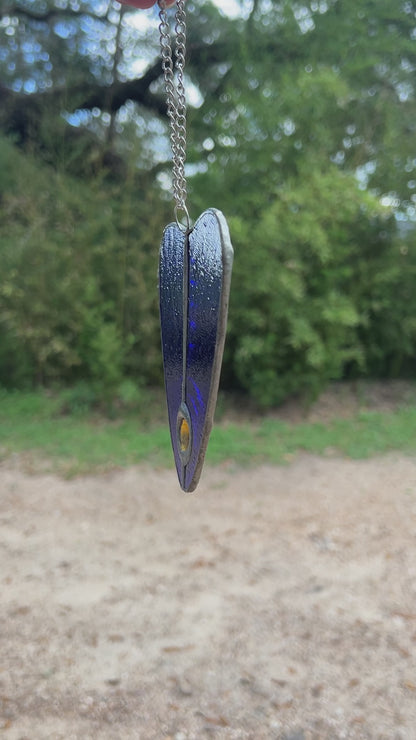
[278, 603]
[302, 119]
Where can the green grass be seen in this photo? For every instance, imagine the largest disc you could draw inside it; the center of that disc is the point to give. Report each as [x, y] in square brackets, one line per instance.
[33, 423]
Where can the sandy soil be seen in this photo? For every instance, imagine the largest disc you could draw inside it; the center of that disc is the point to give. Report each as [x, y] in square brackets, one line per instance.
[273, 603]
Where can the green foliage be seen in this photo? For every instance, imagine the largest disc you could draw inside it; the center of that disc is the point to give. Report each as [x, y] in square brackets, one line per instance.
[78, 298]
[305, 274]
[330, 80]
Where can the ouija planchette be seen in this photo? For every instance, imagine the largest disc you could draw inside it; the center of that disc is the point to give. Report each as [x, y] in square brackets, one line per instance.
[194, 285]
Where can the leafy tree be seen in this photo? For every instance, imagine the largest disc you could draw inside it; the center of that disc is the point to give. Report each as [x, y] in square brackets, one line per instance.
[71, 89]
[327, 79]
[70, 69]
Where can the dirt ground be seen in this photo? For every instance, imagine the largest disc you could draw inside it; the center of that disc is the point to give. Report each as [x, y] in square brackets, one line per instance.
[273, 603]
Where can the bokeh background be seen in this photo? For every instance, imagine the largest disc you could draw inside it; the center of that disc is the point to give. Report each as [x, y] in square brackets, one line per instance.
[302, 120]
[279, 602]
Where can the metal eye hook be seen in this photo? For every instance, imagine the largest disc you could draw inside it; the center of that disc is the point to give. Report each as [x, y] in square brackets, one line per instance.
[184, 227]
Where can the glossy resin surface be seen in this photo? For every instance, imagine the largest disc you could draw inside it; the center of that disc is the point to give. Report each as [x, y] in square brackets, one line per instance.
[194, 284]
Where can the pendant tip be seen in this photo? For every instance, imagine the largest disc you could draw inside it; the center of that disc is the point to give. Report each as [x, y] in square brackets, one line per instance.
[187, 485]
[189, 489]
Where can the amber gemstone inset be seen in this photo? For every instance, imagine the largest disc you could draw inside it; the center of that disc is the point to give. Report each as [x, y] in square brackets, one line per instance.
[184, 435]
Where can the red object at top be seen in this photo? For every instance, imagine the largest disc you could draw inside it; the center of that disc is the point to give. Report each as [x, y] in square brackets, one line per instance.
[143, 4]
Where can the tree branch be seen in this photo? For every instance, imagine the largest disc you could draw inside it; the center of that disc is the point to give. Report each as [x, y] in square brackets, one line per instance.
[112, 98]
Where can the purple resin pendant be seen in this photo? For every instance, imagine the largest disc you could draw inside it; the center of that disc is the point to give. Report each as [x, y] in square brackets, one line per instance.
[194, 286]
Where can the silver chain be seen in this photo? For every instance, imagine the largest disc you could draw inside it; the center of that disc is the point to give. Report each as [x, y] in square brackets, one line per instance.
[176, 101]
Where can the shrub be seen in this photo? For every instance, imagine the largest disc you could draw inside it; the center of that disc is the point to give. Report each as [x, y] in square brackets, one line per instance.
[304, 275]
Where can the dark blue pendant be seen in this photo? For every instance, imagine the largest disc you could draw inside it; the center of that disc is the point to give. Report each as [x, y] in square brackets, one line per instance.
[194, 286]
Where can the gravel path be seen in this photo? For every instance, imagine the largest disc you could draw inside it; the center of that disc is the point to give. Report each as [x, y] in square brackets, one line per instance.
[273, 603]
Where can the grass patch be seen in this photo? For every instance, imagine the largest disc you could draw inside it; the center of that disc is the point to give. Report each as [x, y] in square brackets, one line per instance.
[33, 423]
[368, 433]
[76, 443]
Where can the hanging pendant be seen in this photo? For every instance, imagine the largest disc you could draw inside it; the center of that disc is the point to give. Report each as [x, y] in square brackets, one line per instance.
[194, 286]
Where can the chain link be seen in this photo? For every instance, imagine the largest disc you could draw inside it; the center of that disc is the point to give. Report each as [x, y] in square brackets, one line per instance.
[176, 101]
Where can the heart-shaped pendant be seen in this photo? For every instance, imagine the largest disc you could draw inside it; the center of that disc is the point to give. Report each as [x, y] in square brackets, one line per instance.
[194, 286]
